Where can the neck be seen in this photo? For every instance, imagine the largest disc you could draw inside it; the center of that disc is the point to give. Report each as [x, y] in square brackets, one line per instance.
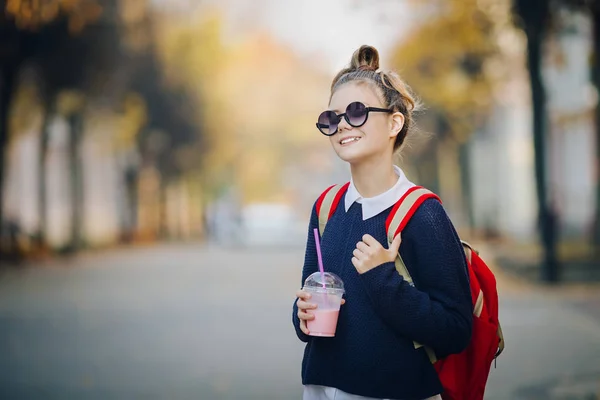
[373, 177]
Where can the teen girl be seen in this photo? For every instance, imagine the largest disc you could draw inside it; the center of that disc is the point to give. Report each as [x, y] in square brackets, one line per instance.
[373, 354]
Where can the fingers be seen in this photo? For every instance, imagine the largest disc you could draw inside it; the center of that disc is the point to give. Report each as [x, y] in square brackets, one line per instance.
[303, 305]
[370, 241]
[305, 316]
[367, 247]
[301, 294]
[303, 327]
[363, 247]
[343, 302]
[395, 245]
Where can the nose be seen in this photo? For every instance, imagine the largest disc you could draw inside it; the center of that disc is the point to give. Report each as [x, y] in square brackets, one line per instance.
[343, 125]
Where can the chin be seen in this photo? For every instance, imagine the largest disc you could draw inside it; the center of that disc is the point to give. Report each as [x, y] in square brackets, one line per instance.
[351, 156]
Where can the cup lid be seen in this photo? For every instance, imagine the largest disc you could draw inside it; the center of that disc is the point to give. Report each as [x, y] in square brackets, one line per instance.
[332, 281]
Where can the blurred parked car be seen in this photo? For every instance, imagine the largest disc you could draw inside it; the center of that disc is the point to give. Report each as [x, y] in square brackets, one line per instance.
[271, 224]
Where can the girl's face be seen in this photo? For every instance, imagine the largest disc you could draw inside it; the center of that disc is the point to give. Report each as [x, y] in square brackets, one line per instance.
[373, 139]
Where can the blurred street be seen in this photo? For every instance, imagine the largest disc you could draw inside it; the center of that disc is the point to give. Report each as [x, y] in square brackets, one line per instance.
[191, 321]
[127, 126]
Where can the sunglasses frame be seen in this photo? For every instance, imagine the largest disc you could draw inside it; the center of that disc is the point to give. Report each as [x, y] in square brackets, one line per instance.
[345, 116]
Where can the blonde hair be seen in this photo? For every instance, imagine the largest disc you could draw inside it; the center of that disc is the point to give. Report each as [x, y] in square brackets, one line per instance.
[393, 92]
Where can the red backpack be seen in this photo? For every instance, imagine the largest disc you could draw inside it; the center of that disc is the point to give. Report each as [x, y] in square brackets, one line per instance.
[462, 375]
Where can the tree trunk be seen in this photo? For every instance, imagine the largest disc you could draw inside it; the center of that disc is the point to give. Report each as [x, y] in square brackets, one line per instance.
[163, 223]
[76, 177]
[450, 180]
[428, 169]
[42, 177]
[547, 218]
[596, 83]
[6, 91]
[131, 189]
[465, 175]
[453, 174]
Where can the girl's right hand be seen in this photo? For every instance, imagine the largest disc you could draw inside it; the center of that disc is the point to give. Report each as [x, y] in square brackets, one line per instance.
[303, 306]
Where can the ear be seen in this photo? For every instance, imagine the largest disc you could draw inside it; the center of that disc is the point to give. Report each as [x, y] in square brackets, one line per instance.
[396, 124]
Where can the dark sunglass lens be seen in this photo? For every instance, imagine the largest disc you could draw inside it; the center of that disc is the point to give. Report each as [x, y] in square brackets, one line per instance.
[328, 122]
[357, 113]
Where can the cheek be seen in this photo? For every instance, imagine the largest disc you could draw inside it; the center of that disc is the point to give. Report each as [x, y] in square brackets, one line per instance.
[378, 131]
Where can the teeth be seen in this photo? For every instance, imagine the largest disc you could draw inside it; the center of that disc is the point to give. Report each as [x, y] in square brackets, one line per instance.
[348, 140]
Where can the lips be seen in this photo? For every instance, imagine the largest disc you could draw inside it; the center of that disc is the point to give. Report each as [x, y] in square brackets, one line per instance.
[349, 140]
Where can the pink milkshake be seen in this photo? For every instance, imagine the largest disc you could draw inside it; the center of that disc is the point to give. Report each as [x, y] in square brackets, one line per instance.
[326, 292]
[324, 323]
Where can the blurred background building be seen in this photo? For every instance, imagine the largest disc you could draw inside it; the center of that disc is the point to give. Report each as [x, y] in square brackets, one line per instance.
[129, 121]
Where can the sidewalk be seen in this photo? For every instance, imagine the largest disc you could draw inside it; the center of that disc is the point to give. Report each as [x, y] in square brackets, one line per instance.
[578, 261]
[552, 335]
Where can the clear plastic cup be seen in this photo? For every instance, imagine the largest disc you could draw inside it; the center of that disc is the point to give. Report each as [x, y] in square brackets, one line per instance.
[328, 300]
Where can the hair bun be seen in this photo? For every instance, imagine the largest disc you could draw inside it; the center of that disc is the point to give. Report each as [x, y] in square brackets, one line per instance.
[366, 58]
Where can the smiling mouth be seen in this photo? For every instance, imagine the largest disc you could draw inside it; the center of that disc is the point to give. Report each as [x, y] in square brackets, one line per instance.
[349, 140]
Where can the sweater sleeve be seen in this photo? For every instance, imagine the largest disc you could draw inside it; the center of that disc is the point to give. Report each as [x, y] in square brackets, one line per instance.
[437, 313]
[310, 266]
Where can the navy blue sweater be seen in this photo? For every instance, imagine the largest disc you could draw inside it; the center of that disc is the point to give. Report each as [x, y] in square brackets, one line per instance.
[372, 353]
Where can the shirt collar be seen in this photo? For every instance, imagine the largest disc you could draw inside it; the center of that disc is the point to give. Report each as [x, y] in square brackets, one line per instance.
[372, 206]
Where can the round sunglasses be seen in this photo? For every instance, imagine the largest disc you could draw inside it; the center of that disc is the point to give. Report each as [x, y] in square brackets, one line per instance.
[356, 115]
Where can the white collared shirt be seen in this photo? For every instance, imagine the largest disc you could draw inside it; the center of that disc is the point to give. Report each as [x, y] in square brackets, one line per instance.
[371, 206]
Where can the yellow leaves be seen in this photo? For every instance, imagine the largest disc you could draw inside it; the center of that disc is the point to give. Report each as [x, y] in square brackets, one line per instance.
[132, 11]
[275, 99]
[131, 120]
[69, 102]
[33, 14]
[445, 60]
[258, 177]
[133, 15]
[192, 52]
[256, 100]
[26, 109]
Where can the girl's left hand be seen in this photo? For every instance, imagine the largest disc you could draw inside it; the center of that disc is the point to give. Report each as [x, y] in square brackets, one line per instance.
[369, 253]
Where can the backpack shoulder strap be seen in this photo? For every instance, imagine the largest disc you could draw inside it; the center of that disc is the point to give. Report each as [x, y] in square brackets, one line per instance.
[396, 222]
[399, 217]
[328, 202]
[500, 341]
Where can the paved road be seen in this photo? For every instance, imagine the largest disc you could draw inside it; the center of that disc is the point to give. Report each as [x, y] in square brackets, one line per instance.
[197, 322]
